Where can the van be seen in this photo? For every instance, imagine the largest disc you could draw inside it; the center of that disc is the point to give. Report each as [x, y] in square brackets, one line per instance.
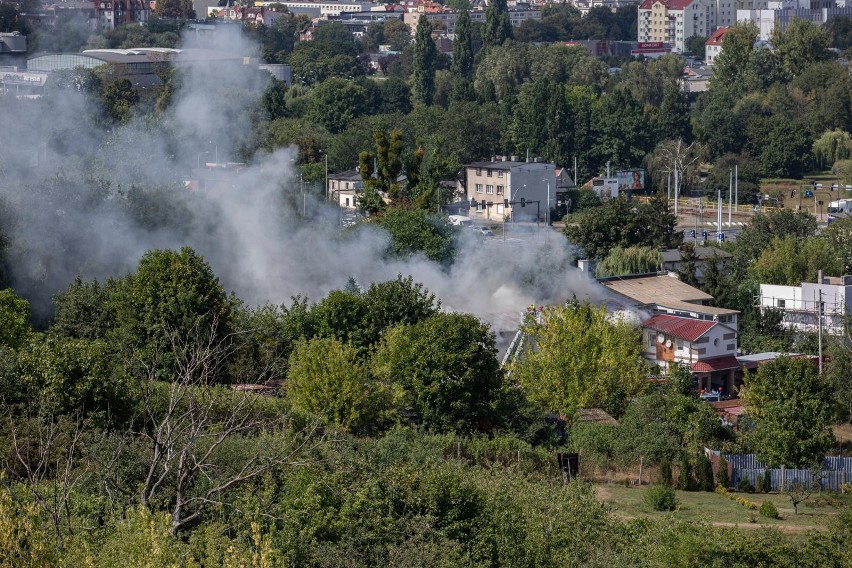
[460, 221]
[840, 206]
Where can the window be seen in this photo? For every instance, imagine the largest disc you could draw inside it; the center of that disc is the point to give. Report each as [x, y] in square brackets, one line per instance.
[652, 339]
[479, 188]
[347, 202]
[499, 173]
[499, 190]
[680, 343]
[490, 172]
[489, 188]
[479, 171]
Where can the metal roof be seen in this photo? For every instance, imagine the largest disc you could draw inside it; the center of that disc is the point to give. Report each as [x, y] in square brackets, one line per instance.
[684, 328]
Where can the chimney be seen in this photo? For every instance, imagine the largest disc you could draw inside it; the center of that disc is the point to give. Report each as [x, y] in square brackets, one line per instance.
[587, 266]
[819, 277]
[505, 159]
[514, 158]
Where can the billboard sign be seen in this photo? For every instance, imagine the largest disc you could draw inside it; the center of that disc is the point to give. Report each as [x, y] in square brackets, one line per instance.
[631, 180]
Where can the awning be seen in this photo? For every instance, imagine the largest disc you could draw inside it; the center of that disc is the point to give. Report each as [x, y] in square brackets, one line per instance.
[724, 363]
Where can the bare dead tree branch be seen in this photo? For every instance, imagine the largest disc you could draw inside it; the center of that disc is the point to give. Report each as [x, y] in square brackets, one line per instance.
[189, 422]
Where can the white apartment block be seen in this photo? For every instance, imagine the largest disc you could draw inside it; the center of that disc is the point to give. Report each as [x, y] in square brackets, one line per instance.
[713, 45]
[779, 13]
[675, 21]
[801, 305]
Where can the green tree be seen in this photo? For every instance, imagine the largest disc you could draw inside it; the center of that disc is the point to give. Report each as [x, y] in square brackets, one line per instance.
[732, 61]
[498, 28]
[335, 103]
[673, 122]
[327, 378]
[695, 45]
[619, 223]
[792, 410]
[175, 9]
[118, 98]
[723, 478]
[83, 310]
[790, 261]
[397, 301]
[581, 359]
[765, 227]
[71, 376]
[417, 231]
[832, 147]
[463, 47]
[705, 473]
[748, 178]
[800, 45]
[632, 260]
[424, 62]
[15, 315]
[688, 264]
[790, 158]
[445, 369]
[172, 294]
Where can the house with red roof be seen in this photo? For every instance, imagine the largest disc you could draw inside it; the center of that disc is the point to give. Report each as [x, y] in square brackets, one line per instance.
[675, 21]
[713, 45]
[708, 348]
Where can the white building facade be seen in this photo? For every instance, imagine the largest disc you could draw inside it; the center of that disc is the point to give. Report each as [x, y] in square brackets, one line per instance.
[802, 305]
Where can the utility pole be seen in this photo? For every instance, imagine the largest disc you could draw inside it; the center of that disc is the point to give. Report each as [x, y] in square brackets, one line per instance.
[736, 186]
[719, 215]
[730, 197]
[677, 187]
[819, 326]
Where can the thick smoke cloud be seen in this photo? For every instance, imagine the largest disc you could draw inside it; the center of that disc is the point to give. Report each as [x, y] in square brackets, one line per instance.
[82, 198]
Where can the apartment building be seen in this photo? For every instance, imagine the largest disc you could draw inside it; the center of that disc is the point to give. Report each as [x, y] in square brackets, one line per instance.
[802, 307]
[488, 186]
[713, 45]
[675, 21]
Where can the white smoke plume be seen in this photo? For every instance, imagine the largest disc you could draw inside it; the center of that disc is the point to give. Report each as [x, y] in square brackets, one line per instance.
[78, 198]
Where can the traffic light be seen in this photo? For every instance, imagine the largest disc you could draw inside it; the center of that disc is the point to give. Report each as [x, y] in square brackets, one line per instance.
[505, 203]
[523, 201]
[692, 233]
[703, 234]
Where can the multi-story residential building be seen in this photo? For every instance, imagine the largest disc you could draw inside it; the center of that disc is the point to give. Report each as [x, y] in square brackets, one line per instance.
[681, 328]
[713, 45]
[675, 21]
[495, 189]
[517, 16]
[326, 9]
[779, 14]
[344, 187]
[802, 305]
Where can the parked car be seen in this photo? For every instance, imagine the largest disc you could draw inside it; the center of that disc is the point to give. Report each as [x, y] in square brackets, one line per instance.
[484, 231]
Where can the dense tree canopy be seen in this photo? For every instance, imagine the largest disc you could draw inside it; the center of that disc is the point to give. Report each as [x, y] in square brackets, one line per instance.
[581, 357]
[792, 409]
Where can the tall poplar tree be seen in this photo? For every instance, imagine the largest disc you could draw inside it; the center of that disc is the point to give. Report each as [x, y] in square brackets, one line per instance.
[425, 56]
[463, 47]
[498, 28]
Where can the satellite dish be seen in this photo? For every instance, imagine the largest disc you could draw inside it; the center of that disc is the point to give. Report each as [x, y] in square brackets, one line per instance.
[669, 343]
[661, 338]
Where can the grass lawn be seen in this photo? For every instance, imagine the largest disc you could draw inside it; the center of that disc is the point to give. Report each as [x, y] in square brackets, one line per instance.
[717, 509]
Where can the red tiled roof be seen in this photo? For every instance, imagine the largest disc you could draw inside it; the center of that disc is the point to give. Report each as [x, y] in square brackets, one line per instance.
[685, 328]
[670, 4]
[717, 37]
[724, 363]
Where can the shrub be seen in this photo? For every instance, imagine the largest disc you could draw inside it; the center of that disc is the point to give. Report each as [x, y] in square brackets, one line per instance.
[685, 481]
[665, 477]
[745, 485]
[758, 485]
[768, 510]
[661, 498]
[705, 473]
[766, 486]
[723, 479]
